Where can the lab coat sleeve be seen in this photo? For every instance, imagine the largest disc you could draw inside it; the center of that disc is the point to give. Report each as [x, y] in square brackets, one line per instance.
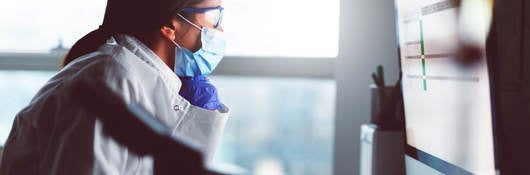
[204, 127]
[111, 157]
[51, 135]
[57, 145]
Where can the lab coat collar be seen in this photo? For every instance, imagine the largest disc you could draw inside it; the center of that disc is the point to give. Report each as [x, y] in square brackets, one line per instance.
[139, 49]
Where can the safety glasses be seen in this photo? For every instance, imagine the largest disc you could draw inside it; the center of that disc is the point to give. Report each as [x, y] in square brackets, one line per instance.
[214, 14]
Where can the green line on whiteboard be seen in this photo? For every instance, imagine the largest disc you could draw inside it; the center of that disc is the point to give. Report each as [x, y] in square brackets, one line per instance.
[422, 44]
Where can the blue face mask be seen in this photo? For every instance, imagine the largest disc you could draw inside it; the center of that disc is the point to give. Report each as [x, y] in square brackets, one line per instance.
[204, 61]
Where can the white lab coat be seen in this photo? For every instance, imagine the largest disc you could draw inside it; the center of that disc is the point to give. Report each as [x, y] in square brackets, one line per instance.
[52, 136]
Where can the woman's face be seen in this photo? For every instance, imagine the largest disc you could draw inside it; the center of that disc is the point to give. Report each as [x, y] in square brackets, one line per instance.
[208, 19]
[191, 38]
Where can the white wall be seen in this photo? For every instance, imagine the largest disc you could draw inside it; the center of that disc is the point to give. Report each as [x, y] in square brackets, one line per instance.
[367, 38]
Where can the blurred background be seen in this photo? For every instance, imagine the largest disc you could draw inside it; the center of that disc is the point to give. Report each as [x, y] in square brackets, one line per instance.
[296, 75]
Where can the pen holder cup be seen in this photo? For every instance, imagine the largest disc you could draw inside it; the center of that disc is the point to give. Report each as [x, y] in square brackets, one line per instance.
[380, 95]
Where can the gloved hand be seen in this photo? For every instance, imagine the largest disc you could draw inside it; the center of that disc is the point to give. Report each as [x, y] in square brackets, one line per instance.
[200, 92]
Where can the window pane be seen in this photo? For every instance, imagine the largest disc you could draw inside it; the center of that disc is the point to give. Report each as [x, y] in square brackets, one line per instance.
[36, 25]
[287, 28]
[16, 89]
[278, 126]
[292, 28]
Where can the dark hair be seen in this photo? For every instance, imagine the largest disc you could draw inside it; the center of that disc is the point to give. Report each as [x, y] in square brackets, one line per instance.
[132, 17]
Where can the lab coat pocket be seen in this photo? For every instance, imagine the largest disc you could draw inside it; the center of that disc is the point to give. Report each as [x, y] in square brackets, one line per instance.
[204, 127]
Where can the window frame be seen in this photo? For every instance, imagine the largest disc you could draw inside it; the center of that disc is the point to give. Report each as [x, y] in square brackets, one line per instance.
[318, 68]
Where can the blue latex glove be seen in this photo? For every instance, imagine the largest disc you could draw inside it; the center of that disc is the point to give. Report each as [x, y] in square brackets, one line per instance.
[200, 92]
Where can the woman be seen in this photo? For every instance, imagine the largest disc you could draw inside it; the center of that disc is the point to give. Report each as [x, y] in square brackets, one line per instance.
[133, 53]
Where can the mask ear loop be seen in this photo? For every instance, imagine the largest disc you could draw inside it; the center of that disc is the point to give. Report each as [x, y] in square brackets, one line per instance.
[172, 27]
[194, 25]
[175, 43]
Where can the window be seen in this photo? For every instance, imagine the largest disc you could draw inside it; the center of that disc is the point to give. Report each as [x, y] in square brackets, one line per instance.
[282, 28]
[278, 125]
[34, 25]
[282, 110]
[16, 89]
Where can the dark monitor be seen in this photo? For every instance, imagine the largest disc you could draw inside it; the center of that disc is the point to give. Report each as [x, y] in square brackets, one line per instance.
[447, 103]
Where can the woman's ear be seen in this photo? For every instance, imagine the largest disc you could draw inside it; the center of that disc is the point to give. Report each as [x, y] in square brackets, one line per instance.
[168, 31]
[172, 29]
